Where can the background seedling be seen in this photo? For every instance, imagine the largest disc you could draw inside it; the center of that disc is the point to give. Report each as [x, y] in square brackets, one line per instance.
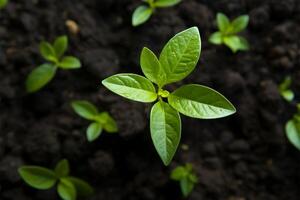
[177, 60]
[186, 177]
[100, 121]
[285, 91]
[292, 129]
[53, 53]
[3, 3]
[228, 31]
[144, 12]
[68, 187]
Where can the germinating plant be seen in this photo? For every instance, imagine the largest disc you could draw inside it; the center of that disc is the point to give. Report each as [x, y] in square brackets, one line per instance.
[292, 129]
[285, 89]
[3, 3]
[144, 12]
[68, 187]
[186, 177]
[228, 31]
[54, 55]
[100, 120]
[177, 60]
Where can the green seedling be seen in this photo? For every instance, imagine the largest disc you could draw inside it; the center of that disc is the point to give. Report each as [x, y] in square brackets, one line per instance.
[187, 178]
[228, 31]
[285, 90]
[68, 187]
[54, 55]
[3, 3]
[144, 12]
[177, 60]
[99, 120]
[292, 129]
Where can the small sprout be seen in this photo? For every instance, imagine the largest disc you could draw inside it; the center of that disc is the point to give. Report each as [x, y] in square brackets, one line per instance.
[3, 3]
[100, 121]
[54, 54]
[285, 91]
[144, 12]
[68, 187]
[186, 177]
[177, 60]
[228, 31]
[292, 129]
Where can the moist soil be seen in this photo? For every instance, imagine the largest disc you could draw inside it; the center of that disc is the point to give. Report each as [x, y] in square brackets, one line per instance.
[242, 157]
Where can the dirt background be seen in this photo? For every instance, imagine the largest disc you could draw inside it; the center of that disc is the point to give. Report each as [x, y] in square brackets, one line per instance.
[242, 157]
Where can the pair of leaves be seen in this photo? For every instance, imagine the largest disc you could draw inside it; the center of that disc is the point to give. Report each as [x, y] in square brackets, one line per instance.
[100, 120]
[144, 12]
[3, 3]
[285, 91]
[68, 187]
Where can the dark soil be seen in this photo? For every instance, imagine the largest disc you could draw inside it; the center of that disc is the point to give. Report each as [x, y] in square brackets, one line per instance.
[242, 157]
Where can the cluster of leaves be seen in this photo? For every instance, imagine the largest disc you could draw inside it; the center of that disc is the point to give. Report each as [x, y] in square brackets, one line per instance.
[292, 129]
[53, 53]
[68, 187]
[144, 12]
[285, 89]
[177, 60]
[186, 177]
[3, 3]
[227, 33]
[99, 120]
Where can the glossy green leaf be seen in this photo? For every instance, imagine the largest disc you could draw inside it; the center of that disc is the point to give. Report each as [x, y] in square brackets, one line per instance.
[178, 173]
[66, 189]
[186, 187]
[48, 52]
[85, 109]
[292, 130]
[69, 62]
[216, 38]
[108, 123]
[223, 22]
[60, 45]
[165, 126]
[239, 24]
[200, 102]
[141, 15]
[3, 3]
[166, 3]
[94, 131]
[83, 188]
[38, 177]
[39, 77]
[62, 168]
[131, 86]
[236, 43]
[180, 55]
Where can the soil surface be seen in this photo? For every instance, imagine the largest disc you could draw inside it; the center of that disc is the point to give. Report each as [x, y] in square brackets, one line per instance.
[243, 157]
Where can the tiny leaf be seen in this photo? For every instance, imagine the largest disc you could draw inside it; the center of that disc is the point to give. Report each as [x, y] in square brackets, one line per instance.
[186, 187]
[292, 130]
[141, 15]
[83, 188]
[62, 168]
[178, 173]
[66, 189]
[216, 38]
[69, 62]
[236, 43]
[108, 123]
[166, 3]
[60, 45]
[48, 52]
[93, 132]
[223, 22]
[3, 3]
[239, 24]
[85, 109]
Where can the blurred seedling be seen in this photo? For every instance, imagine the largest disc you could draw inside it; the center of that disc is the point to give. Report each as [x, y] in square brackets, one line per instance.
[3, 3]
[285, 89]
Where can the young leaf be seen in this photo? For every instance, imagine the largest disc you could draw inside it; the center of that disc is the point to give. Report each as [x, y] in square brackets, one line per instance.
[108, 123]
[216, 38]
[131, 86]
[200, 102]
[186, 187]
[180, 55]
[141, 15]
[66, 189]
[93, 132]
[223, 22]
[165, 126]
[39, 77]
[83, 188]
[239, 24]
[293, 133]
[166, 3]
[62, 168]
[60, 45]
[48, 52]
[236, 43]
[38, 177]
[3, 3]
[178, 173]
[69, 62]
[285, 91]
[85, 109]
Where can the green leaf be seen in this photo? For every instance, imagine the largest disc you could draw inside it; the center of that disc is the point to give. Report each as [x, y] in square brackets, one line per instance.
[131, 86]
[288, 95]
[200, 102]
[239, 24]
[38, 177]
[181, 54]
[165, 126]
[66, 189]
[83, 188]
[293, 133]
[236, 43]
[94, 131]
[216, 38]
[3, 3]
[69, 62]
[166, 3]
[223, 22]
[108, 123]
[85, 109]
[48, 52]
[60, 45]
[178, 173]
[284, 89]
[39, 77]
[186, 187]
[62, 168]
[151, 67]
[141, 15]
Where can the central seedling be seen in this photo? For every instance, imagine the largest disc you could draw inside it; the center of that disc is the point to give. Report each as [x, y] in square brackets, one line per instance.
[177, 60]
